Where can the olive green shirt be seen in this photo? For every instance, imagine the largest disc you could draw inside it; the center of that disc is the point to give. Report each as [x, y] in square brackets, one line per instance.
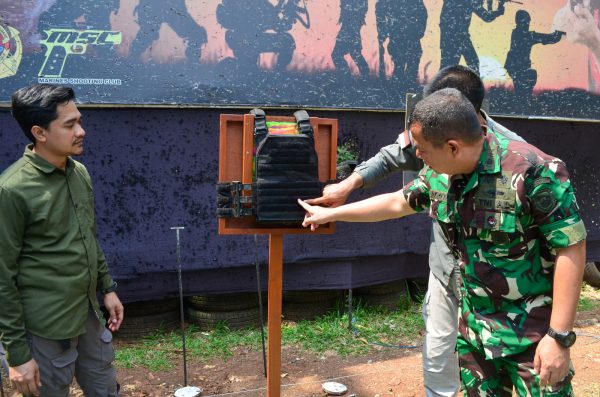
[51, 264]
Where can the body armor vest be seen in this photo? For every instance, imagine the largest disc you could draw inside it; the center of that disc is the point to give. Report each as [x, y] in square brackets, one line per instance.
[285, 169]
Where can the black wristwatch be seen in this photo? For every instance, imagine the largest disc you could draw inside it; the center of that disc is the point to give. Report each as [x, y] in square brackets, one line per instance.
[112, 288]
[565, 339]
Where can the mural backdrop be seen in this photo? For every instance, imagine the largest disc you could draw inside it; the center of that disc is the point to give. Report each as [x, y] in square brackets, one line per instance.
[537, 57]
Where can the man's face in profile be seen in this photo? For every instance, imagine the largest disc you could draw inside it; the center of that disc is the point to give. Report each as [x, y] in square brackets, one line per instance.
[438, 159]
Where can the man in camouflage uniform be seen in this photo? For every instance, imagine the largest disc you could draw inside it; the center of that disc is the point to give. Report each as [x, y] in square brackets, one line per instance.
[440, 304]
[510, 213]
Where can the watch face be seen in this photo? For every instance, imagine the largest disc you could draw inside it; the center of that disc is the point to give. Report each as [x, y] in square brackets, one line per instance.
[566, 339]
[569, 339]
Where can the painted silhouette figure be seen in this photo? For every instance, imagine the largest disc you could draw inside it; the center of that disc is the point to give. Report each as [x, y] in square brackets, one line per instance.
[348, 42]
[152, 13]
[455, 40]
[255, 27]
[518, 59]
[63, 13]
[403, 22]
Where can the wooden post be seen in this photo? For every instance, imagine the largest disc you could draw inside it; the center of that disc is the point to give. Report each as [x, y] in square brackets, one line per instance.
[274, 320]
[235, 164]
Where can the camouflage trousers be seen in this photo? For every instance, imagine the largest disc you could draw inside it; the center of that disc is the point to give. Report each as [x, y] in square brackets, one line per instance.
[498, 377]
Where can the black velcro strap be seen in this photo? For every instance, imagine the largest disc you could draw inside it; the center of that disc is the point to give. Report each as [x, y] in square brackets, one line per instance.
[260, 126]
[303, 121]
[231, 202]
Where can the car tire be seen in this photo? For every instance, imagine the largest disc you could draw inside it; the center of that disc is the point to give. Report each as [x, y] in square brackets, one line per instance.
[591, 274]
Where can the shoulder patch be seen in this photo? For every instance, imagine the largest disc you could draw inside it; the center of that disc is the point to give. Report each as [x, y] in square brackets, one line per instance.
[544, 200]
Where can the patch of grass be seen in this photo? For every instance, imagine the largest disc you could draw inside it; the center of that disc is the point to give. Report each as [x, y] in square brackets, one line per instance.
[220, 342]
[586, 304]
[371, 327]
[589, 299]
[152, 357]
[157, 351]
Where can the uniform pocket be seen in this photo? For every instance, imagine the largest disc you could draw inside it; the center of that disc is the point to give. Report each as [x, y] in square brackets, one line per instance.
[107, 351]
[497, 231]
[64, 367]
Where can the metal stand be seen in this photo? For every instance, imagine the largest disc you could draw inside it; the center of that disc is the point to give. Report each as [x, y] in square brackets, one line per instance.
[186, 391]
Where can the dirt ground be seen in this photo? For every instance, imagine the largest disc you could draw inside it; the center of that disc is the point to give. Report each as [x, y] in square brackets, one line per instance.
[383, 372]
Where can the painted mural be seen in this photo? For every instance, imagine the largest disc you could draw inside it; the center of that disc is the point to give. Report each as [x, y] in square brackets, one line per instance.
[537, 57]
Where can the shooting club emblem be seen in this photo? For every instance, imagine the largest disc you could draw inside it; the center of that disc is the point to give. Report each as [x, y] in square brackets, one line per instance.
[11, 51]
[62, 43]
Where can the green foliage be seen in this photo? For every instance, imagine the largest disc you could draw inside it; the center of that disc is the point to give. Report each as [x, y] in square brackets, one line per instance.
[348, 150]
[330, 333]
[343, 154]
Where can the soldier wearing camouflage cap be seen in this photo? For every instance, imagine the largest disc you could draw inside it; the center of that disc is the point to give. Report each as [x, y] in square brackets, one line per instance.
[510, 213]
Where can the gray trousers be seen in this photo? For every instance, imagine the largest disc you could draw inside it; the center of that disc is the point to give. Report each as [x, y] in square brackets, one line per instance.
[440, 361]
[87, 357]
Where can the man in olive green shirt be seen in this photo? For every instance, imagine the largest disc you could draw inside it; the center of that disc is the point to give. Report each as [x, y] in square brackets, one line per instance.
[51, 265]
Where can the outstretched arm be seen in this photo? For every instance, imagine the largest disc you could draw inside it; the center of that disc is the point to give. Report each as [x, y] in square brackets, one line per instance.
[399, 156]
[546, 38]
[336, 194]
[373, 209]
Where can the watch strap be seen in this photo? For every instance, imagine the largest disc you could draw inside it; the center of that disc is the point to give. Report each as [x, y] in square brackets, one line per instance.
[111, 288]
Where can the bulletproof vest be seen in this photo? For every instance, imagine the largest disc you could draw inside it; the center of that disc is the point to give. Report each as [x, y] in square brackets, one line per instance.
[285, 169]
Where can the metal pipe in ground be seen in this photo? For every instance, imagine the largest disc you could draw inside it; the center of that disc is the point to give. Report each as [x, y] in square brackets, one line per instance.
[186, 391]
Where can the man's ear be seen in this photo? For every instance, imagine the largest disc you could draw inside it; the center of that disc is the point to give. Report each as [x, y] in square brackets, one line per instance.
[454, 146]
[38, 133]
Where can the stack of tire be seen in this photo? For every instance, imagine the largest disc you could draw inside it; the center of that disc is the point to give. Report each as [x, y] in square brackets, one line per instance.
[393, 295]
[148, 317]
[236, 311]
[308, 304]
[591, 274]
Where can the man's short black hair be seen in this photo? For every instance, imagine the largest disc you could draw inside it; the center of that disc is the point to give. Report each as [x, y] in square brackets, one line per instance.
[463, 79]
[446, 114]
[37, 103]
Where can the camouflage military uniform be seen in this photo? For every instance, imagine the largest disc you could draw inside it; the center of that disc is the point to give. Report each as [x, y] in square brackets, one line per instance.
[505, 222]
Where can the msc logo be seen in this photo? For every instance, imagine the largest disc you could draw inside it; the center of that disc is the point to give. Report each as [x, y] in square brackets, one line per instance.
[61, 43]
[11, 51]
